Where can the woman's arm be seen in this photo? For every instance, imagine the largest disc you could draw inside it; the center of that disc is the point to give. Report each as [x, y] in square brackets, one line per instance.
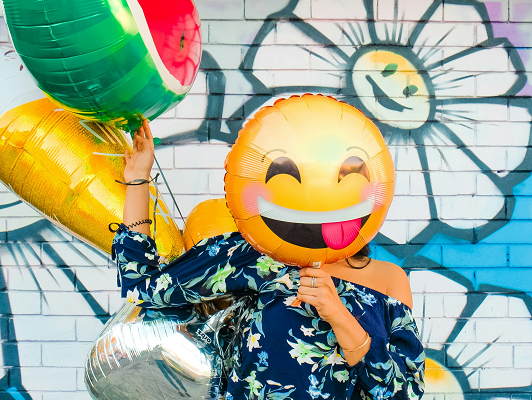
[384, 367]
[139, 162]
[353, 339]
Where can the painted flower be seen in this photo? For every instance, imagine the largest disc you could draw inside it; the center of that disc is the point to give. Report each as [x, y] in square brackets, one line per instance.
[149, 256]
[436, 89]
[266, 265]
[162, 282]
[477, 332]
[303, 352]
[234, 376]
[253, 341]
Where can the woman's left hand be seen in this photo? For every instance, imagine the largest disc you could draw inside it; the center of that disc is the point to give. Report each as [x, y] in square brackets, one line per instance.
[322, 294]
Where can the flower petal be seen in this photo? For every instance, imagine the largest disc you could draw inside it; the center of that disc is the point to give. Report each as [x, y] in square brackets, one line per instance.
[399, 12]
[435, 327]
[493, 351]
[455, 36]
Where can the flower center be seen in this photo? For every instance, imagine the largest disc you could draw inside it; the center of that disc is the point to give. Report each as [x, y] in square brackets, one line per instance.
[392, 89]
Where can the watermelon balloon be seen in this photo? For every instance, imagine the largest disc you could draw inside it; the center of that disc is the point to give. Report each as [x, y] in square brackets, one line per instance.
[114, 61]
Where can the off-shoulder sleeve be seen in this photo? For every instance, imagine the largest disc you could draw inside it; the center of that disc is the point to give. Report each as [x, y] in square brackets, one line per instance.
[393, 368]
[218, 266]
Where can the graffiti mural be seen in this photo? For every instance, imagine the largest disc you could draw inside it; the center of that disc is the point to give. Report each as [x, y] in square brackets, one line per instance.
[445, 82]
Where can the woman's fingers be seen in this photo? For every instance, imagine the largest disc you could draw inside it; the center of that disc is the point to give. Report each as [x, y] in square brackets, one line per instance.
[306, 298]
[308, 291]
[307, 281]
[318, 273]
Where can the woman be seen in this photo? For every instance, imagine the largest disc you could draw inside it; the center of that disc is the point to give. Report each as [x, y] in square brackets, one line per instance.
[342, 331]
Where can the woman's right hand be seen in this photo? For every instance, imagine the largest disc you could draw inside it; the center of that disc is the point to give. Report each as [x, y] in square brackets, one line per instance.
[139, 160]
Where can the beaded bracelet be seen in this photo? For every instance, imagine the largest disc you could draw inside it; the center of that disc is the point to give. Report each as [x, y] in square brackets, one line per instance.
[144, 221]
[359, 347]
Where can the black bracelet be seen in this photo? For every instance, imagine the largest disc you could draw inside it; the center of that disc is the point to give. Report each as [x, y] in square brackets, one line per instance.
[144, 221]
[136, 182]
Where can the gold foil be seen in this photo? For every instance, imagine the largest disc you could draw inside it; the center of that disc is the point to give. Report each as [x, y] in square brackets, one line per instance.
[66, 168]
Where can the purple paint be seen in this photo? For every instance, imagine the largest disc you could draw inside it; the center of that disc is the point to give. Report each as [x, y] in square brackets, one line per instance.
[495, 11]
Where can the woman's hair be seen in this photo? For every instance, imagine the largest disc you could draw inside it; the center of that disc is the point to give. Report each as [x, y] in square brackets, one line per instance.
[363, 252]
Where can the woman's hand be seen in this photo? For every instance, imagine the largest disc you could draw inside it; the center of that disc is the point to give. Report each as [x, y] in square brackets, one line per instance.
[139, 160]
[323, 296]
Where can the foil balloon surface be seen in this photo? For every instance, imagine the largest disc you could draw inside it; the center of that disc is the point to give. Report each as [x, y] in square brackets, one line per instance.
[209, 218]
[66, 169]
[309, 180]
[112, 61]
[143, 354]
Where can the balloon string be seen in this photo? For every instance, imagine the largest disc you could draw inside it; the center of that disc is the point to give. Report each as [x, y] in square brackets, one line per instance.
[173, 198]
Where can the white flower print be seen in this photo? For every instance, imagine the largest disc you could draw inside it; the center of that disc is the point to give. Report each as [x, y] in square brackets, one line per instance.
[289, 301]
[253, 341]
[307, 331]
[335, 358]
[303, 352]
[133, 296]
[162, 282]
[131, 266]
[286, 280]
[234, 376]
[149, 256]
[138, 238]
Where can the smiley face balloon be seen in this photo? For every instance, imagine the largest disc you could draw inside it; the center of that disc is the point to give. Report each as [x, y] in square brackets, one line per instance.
[309, 180]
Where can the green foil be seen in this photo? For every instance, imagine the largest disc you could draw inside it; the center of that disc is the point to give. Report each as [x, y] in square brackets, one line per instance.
[88, 56]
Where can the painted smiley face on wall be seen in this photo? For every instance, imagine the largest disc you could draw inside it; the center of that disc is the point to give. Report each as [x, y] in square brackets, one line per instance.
[309, 180]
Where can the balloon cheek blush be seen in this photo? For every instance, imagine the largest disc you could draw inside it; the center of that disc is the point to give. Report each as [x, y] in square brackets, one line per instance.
[309, 180]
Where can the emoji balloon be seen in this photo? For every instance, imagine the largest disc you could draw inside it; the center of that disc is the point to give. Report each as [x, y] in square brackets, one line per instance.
[66, 169]
[112, 61]
[309, 180]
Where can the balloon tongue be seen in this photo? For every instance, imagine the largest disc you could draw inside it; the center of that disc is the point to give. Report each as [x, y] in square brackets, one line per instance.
[339, 235]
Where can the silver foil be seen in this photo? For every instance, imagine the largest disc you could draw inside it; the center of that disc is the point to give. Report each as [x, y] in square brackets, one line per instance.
[161, 354]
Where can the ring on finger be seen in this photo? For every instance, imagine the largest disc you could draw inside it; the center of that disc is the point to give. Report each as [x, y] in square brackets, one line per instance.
[313, 285]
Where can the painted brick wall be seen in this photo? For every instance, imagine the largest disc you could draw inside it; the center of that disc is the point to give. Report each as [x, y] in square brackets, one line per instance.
[460, 224]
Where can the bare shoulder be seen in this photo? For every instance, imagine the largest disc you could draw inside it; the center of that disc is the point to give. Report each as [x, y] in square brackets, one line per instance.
[396, 281]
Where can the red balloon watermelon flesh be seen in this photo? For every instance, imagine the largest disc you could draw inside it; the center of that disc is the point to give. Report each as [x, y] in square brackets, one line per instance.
[171, 30]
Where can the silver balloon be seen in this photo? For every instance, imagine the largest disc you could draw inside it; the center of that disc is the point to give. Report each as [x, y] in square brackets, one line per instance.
[166, 354]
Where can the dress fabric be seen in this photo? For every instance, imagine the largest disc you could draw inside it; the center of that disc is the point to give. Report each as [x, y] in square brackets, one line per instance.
[285, 351]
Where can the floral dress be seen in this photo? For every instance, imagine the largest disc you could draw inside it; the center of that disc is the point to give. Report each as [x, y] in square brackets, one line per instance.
[286, 351]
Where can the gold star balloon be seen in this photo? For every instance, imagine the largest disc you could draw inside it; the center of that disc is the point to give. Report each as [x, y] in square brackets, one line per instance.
[66, 168]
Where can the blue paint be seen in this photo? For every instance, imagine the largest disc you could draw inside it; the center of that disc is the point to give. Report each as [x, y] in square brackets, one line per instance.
[474, 255]
[13, 391]
[520, 256]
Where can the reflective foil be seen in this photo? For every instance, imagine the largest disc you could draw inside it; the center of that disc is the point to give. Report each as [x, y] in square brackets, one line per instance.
[143, 354]
[112, 61]
[66, 169]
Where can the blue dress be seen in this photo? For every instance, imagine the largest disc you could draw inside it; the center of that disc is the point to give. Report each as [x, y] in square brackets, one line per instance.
[285, 352]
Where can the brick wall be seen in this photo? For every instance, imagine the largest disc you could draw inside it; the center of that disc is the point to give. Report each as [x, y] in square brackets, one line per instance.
[460, 224]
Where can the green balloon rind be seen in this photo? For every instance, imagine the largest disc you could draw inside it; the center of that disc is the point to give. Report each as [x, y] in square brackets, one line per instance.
[70, 58]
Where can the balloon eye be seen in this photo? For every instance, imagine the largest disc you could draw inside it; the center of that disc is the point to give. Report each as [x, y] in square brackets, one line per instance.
[283, 165]
[353, 165]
